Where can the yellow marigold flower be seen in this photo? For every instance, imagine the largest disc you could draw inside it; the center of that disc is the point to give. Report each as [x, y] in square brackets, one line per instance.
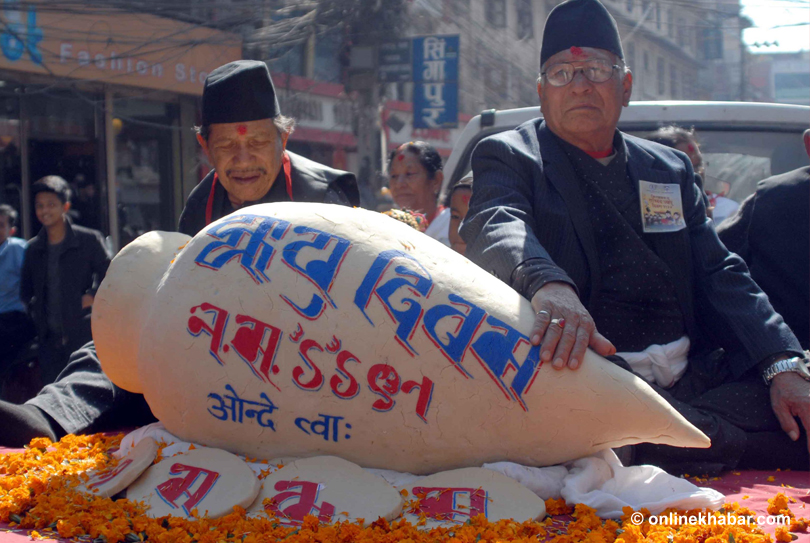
[558, 507]
[783, 535]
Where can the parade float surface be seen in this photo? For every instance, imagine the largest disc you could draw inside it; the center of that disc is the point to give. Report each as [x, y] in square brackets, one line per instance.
[311, 329]
[37, 502]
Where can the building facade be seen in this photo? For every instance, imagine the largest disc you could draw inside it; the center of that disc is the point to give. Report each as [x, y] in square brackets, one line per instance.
[107, 100]
[780, 77]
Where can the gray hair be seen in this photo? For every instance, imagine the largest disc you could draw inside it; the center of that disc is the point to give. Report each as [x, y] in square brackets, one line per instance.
[285, 125]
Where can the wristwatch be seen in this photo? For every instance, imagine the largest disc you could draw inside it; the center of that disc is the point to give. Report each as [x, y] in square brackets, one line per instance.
[796, 364]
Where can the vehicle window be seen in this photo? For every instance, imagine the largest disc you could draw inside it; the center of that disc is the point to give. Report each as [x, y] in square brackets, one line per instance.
[737, 160]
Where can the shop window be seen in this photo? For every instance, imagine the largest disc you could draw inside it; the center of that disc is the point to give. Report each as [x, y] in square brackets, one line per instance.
[711, 43]
[671, 23]
[630, 5]
[287, 60]
[673, 81]
[660, 73]
[11, 189]
[496, 13]
[62, 140]
[681, 33]
[646, 61]
[58, 114]
[455, 9]
[496, 82]
[525, 20]
[327, 64]
[658, 16]
[144, 183]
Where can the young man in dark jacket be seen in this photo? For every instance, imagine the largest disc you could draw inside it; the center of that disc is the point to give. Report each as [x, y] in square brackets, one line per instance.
[63, 266]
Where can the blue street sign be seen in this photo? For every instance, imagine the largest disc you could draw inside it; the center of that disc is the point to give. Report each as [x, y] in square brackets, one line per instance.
[435, 88]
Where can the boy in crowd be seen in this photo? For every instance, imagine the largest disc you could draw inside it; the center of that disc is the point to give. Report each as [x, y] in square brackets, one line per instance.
[64, 265]
[459, 203]
[15, 327]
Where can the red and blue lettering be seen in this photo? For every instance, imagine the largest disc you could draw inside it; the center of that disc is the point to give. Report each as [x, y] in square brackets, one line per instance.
[346, 387]
[316, 381]
[390, 386]
[248, 343]
[171, 490]
[297, 499]
[216, 329]
[467, 324]
[415, 283]
[320, 273]
[496, 349]
[257, 254]
[425, 389]
[445, 504]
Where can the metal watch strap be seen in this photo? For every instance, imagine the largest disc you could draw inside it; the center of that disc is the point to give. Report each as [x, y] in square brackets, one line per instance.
[785, 366]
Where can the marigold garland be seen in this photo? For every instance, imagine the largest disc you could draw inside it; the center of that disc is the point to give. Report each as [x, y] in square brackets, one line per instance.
[37, 493]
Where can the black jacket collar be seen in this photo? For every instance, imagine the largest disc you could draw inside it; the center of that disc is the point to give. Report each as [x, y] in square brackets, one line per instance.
[40, 241]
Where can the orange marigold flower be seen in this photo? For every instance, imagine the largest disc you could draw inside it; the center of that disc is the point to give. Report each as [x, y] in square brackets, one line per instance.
[557, 506]
[779, 505]
[799, 525]
[783, 535]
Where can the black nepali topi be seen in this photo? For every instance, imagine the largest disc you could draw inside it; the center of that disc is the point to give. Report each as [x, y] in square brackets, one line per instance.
[239, 92]
[580, 23]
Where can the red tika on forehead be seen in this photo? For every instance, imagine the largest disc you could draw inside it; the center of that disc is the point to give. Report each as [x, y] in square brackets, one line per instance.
[401, 156]
[577, 52]
[241, 129]
[466, 198]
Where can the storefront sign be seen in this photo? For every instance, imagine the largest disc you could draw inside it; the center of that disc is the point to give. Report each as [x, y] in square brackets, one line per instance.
[113, 47]
[395, 64]
[435, 73]
[331, 113]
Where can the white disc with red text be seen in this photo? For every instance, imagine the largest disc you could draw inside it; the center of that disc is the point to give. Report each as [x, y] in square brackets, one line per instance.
[111, 481]
[451, 498]
[329, 488]
[211, 481]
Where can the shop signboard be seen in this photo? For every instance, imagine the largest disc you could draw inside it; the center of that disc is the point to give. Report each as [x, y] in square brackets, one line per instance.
[435, 74]
[111, 46]
[395, 64]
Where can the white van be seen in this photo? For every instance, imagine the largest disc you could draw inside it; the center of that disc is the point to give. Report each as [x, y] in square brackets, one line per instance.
[742, 142]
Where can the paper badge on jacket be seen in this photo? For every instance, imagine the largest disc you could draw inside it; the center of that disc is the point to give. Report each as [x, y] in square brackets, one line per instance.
[661, 207]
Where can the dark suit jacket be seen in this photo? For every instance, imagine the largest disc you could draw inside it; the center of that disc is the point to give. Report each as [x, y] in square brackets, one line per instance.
[83, 263]
[527, 204]
[311, 182]
[771, 232]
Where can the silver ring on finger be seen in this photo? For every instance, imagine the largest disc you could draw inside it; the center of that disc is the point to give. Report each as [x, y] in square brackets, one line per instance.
[559, 322]
[543, 312]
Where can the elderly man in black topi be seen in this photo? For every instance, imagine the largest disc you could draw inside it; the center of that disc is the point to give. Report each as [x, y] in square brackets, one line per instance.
[557, 212]
[244, 136]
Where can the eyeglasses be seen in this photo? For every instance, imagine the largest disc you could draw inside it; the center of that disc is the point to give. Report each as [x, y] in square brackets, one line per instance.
[595, 71]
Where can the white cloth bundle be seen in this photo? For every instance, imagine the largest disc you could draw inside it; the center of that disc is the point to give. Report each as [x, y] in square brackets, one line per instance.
[661, 364]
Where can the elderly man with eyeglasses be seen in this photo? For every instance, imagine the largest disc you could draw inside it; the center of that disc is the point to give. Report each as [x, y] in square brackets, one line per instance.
[557, 212]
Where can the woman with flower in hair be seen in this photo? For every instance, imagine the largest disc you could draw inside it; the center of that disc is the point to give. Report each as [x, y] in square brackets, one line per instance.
[415, 178]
